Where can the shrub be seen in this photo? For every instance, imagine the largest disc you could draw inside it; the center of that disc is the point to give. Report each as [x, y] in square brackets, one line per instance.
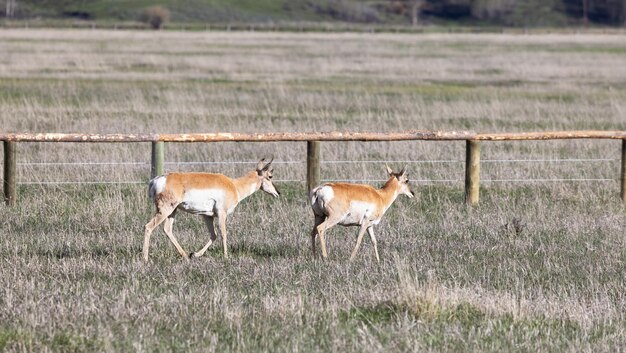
[347, 10]
[155, 16]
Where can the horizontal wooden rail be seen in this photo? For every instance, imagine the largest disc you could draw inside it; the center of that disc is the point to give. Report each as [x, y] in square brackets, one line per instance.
[320, 136]
[313, 136]
[551, 135]
[56, 137]
[241, 137]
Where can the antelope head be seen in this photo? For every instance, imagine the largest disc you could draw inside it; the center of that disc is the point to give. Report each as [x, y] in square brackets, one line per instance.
[265, 177]
[403, 181]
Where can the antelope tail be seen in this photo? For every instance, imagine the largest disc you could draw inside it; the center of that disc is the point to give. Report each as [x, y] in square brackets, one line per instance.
[313, 195]
[156, 186]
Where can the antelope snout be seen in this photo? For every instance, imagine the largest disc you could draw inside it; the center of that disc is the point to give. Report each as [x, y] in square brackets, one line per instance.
[274, 192]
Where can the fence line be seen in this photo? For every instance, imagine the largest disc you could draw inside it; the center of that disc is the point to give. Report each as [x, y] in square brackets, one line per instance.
[82, 163]
[78, 182]
[143, 164]
[95, 182]
[546, 180]
[313, 160]
[568, 160]
[411, 135]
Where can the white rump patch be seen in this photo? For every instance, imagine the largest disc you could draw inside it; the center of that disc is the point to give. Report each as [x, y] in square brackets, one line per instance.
[157, 185]
[326, 193]
[320, 197]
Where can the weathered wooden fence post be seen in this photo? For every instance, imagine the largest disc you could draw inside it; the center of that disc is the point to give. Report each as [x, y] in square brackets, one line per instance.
[472, 172]
[312, 164]
[158, 159]
[624, 170]
[10, 173]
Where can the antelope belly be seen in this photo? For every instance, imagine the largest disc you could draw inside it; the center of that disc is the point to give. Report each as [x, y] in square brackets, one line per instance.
[357, 211]
[202, 201]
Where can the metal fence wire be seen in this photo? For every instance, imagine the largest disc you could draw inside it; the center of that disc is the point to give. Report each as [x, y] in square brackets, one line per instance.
[328, 162]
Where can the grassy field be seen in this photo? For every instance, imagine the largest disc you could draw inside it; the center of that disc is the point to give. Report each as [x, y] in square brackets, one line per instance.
[214, 10]
[520, 14]
[537, 267]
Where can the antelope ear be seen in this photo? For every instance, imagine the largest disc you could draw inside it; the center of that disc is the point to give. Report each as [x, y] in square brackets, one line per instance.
[389, 171]
[267, 166]
[403, 171]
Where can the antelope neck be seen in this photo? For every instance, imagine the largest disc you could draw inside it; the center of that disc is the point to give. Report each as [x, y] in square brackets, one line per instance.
[389, 191]
[247, 185]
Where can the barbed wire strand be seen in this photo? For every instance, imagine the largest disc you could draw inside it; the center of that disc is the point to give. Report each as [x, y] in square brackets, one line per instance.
[334, 180]
[573, 160]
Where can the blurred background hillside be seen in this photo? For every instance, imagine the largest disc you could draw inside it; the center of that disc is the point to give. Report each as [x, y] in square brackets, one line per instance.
[517, 13]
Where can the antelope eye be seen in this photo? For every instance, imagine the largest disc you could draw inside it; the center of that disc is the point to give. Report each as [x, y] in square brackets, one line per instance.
[270, 177]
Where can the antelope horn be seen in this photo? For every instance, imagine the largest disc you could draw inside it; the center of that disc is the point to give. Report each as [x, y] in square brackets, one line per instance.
[259, 166]
[266, 167]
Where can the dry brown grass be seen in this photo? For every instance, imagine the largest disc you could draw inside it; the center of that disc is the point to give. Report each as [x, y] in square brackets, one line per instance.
[451, 278]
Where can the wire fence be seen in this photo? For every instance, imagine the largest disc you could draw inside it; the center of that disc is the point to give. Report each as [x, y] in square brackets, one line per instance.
[329, 162]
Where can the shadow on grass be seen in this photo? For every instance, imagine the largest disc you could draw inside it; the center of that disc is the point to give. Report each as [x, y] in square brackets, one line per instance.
[256, 251]
[66, 251]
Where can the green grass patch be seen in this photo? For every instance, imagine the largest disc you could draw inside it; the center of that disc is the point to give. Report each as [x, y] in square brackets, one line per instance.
[373, 315]
[68, 342]
[437, 90]
[10, 338]
[58, 342]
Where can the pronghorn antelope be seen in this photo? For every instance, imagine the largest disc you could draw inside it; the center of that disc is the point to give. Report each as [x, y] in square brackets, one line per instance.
[355, 205]
[205, 194]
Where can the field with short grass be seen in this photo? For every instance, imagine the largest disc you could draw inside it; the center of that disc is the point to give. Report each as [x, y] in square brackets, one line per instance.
[538, 266]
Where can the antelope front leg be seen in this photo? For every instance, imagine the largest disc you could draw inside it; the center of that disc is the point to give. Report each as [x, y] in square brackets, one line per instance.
[370, 231]
[209, 222]
[222, 221]
[362, 230]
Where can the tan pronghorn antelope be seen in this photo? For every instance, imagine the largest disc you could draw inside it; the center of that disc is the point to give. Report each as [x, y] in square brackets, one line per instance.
[205, 194]
[355, 205]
